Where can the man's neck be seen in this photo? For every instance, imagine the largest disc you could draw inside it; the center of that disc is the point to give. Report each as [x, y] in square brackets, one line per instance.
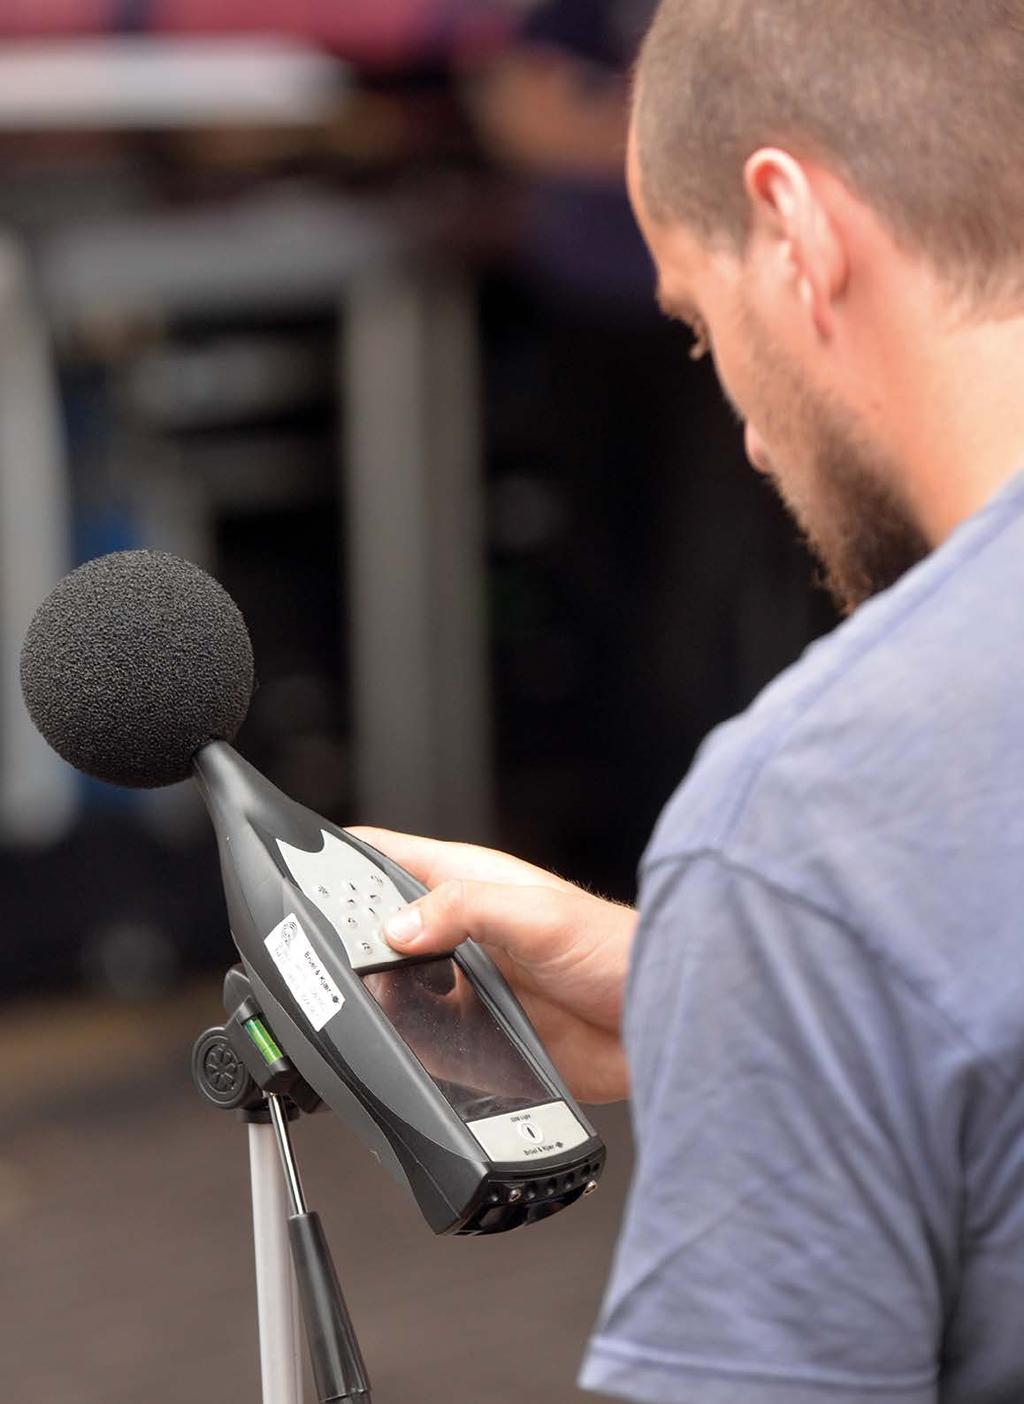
[961, 421]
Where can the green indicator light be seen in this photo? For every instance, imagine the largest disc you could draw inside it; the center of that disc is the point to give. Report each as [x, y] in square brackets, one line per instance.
[260, 1035]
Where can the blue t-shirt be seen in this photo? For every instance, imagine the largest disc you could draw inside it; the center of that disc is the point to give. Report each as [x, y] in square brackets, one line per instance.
[825, 1022]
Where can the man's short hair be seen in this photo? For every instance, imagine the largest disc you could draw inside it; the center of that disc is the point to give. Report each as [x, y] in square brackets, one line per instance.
[917, 105]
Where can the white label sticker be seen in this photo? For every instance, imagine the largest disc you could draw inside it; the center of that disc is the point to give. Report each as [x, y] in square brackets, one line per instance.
[314, 990]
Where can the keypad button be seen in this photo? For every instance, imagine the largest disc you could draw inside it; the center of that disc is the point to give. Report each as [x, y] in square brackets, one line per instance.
[352, 894]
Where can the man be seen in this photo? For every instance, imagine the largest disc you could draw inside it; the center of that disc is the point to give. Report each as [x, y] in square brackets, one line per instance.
[824, 1021]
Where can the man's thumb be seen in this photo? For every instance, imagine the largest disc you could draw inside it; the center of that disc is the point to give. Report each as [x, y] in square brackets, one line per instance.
[436, 922]
[405, 926]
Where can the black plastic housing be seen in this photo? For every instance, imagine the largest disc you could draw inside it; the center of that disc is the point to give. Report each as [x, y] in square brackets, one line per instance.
[357, 1063]
[338, 1368]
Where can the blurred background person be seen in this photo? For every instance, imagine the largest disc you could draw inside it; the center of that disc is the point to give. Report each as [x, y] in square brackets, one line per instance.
[670, 587]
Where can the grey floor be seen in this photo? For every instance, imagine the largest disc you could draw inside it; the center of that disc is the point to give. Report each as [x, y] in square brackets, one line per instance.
[126, 1245]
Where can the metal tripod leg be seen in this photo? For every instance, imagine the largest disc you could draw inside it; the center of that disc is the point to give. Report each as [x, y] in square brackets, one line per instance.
[276, 1290]
[295, 1276]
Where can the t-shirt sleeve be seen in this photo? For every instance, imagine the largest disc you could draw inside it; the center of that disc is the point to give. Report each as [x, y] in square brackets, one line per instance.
[787, 1229]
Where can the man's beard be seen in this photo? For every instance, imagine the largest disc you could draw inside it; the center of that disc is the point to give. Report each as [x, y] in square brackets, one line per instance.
[846, 501]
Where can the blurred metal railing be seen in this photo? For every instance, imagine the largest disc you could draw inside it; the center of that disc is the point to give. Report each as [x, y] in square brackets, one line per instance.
[36, 789]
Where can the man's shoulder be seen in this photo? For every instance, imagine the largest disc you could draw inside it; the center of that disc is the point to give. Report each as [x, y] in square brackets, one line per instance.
[915, 693]
[880, 782]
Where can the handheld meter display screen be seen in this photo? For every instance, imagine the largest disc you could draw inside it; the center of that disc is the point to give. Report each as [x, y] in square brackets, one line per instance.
[437, 1011]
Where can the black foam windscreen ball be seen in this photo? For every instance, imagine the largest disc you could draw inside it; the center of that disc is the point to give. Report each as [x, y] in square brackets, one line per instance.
[132, 663]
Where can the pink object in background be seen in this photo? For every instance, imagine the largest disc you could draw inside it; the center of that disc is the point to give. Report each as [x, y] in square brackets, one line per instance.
[375, 33]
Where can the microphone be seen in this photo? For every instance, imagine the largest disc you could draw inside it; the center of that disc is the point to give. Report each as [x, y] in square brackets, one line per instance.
[138, 670]
[134, 662]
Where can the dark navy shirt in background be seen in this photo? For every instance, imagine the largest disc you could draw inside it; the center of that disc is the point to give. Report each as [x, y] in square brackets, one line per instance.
[825, 1022]
[580, 233]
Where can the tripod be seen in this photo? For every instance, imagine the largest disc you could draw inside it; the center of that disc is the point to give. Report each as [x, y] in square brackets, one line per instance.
[239, 1067]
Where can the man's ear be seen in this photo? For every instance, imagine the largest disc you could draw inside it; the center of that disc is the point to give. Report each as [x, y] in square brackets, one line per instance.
[787, 209]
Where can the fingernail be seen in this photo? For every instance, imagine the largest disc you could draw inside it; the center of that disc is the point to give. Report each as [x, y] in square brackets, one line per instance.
[405, 925]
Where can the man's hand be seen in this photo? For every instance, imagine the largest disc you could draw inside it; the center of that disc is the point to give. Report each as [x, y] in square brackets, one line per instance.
[564, 952]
